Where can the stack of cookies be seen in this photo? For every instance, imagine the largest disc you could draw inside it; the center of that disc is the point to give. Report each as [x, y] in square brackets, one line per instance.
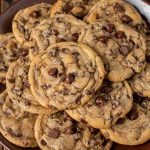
[77, 76]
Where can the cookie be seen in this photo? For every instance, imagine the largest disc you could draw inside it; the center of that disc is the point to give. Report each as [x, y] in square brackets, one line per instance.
[119, 11]
[26, 19]
[16, 125]
[134, 129]
[111, 102]
[59, 131]
[61, 28]
[122, 49]
[66, 75]
[78, 8]
[18, 88]
[9, 49]
[140, 82]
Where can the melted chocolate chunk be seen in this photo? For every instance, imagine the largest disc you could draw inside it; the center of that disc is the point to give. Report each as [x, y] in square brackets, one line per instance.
[75, 37]
[11, 80]
[100, 101]
[106, 89]
[125, 50]
[54, 133]
[120, 35]
[120, 121]
[109, 27]
[70, 78]
[126, 19]
[118, 7]
[35, 14]
[67, 8]
[23, 52]
[103, 39]
[43, 142]
[132, 115]
[53, 72]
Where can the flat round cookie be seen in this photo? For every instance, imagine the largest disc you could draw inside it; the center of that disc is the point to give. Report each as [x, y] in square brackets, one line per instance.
[66, 75]
[61, 28]
[134, 129]
[18, 88]
[9, 49]
[78, 8]
[59, 131]
[16, 125]
[140, 82]
[111, 102]
[122, 49]
[26, 19]
[117, 10]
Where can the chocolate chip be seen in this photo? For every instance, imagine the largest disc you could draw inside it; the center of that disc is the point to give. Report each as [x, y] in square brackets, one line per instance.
[3, 68]
[126, 19]
[61, 40]
[132, 115]
[70, 130]
[43, 142]
[75, 37]
[148, 58]
[11, 80]
[23, 52]
[53, 72]
[121, 121]
[89, 92]
[70, 78]
[35, 14]
[109, 27]
[103, 39]
[54, 133]
[67, 8]
[118, 7]
[78, 100]
[99, 101]
[124, 50]
[120, 35]
[54, 32]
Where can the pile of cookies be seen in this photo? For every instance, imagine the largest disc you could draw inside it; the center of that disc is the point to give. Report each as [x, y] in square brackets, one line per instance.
[77, 76]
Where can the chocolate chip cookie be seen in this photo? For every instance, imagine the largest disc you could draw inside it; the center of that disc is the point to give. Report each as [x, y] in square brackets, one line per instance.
[26, 19]
[134, 129]
[117, 10]
[9, 49]
[66, 75]
[78, 8]
[140, 83]
[122, 49]
[16, 125]
[18, 88]
[111, 102]
[59, 132]
[61, 28]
